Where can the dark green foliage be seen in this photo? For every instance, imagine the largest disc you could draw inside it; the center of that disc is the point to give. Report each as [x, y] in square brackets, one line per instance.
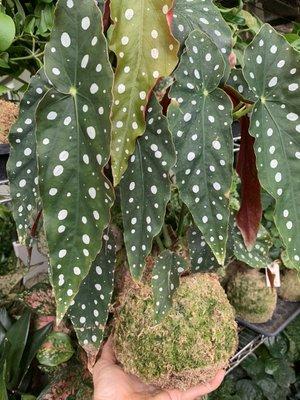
[7, 236]
[272, 373]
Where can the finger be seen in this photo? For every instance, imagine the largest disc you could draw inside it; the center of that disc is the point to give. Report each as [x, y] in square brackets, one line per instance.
[107, 356]
[205, 388]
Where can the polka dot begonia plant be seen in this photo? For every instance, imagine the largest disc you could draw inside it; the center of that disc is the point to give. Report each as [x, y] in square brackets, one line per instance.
[139, 116]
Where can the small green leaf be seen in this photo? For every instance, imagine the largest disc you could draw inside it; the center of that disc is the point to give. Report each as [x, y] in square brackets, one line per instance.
[73, 141]
[165, 281]
[22, 163]
[200, 121]
[146, 50]
[7, 31]
[205, 16]
[90, 310]
[145, 188]
[56, 350]
[272, 72]
[201, 256]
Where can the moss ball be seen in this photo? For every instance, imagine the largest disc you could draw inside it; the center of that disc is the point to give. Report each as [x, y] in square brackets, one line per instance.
[252, 300]
[191, 343]
[290, 286]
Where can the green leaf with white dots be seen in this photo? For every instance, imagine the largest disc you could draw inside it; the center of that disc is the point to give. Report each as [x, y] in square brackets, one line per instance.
[272, 72]
[145, 188]
[146, 50]
[205, 16]
[165, 281]
[22, 164]
[237, 81]
[200, 121]
[258, 257]
[73, 139]
[201, 256]
[90, 310]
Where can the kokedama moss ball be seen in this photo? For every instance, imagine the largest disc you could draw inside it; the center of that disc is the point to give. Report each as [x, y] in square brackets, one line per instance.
[290, 286]
[191, 343]
[252, 300]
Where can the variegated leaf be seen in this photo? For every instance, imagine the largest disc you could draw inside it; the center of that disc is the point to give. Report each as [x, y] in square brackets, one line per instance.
[73, 139]
[22, 164]
[145, 188]
[258, 257]
[200, 121]
[145, 50]
[272, 72]
[201, 256]
[205, 16]
[90, 310]
[165, 280]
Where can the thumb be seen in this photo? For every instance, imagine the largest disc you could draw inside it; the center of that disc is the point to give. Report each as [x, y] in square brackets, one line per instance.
[107, 357]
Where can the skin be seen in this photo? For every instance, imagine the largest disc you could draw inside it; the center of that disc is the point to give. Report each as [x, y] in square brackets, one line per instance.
[111, 382]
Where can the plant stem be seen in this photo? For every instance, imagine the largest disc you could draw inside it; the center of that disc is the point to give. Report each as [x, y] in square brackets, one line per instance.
[167, 239]
[182, 214]
[160, 243]
[242, 111]
[36, 55]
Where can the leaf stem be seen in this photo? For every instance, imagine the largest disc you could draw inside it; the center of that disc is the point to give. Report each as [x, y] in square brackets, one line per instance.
[167, 239]
[31, 56]
[242, 111]
[182, 215]
[160, 243]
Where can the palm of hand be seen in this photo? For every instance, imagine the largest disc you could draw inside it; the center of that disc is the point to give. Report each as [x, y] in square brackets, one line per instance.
[112, 383]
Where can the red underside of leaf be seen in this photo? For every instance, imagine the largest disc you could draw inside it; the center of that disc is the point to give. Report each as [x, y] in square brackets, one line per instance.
[106, 16]
[170, 17]
[250, 213]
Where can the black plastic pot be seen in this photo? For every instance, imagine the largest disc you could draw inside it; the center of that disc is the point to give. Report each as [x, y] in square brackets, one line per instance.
[4, 154]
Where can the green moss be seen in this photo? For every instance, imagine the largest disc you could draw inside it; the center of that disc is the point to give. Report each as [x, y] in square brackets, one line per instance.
[195, 339]
[252, 300]
[290, 286]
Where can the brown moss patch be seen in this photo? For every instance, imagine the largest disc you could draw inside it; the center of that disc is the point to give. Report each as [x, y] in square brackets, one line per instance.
[8, 115]
[290, 286]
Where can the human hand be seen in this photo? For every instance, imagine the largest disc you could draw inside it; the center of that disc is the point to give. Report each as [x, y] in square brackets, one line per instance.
[112, 383]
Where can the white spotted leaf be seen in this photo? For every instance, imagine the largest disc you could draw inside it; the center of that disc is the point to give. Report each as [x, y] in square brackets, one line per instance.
[258, 256]
[272, 72]
[73, 140]
[189, 15]
[145, 188]
[145, 49]
[90, 310]
[22, 164]
[201, 256]
[237, 81]
[200, 121]
[165, 281]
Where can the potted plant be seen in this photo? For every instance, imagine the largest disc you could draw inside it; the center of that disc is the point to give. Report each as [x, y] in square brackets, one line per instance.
[118, 126]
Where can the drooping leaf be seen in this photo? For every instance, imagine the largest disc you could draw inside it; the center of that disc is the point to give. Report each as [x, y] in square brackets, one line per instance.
[165, 280]
[145, 188]
[200, 121]
[22, 163]
[249, 215]
[258, 257]
[272, 72]
[145, 50]
[189, 15]
[73, 139]
[201, 256]
[90, 310]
